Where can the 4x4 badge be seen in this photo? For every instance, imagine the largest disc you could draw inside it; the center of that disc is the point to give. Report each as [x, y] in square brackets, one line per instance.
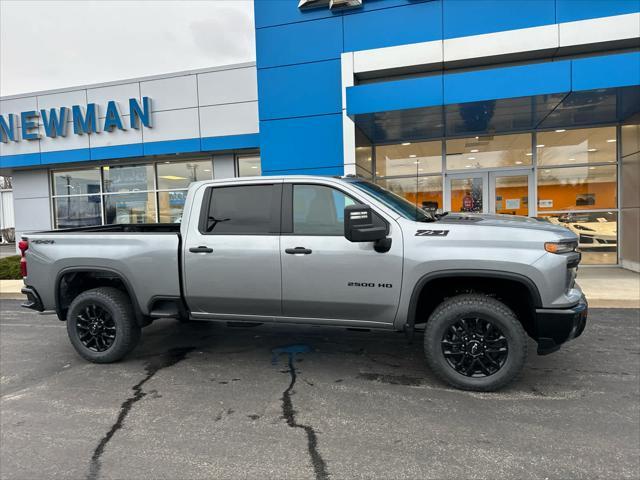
[432, 233]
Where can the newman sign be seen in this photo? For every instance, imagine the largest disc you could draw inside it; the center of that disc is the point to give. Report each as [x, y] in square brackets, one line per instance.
[85, 120]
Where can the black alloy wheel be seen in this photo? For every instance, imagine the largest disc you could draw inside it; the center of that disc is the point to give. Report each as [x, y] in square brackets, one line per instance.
[96, 328]
[475, 347]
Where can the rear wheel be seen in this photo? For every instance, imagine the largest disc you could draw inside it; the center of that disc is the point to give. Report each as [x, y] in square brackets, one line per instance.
[475, 342]
[102, 326]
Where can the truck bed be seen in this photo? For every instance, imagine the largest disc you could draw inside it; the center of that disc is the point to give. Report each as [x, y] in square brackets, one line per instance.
[146, 256]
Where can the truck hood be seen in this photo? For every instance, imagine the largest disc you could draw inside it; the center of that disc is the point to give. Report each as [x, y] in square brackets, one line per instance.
[512, 221]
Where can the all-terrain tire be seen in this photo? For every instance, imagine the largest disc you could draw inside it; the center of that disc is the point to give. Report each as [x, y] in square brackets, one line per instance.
[116, 307]
[445, 319]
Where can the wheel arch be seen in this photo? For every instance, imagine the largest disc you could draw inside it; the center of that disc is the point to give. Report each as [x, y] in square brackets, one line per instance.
[473, 276]
[96, 276]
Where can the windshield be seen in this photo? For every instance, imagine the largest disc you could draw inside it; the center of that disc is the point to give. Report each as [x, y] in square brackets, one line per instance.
[395, 202]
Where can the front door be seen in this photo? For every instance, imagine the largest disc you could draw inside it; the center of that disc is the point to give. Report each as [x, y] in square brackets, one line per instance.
[467, 192]
[232, 258]
[505, 192]
[325, 276]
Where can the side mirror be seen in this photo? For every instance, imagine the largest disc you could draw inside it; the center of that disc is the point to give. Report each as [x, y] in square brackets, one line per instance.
[359, 227]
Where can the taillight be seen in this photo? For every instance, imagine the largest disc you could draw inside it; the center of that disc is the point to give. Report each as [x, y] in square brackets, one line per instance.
[23, 246]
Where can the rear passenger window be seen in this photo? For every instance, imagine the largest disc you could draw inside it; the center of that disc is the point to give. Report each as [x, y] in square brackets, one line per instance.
[318, 210]
[242, 210]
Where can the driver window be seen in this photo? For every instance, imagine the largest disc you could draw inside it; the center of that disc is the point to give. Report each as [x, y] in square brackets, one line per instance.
[319, 210]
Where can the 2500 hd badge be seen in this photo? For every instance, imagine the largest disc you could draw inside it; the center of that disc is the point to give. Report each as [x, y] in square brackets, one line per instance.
[369, 284]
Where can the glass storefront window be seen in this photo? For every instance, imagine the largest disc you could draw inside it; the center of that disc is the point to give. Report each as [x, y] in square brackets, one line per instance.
[408, 158]
[489, 151]
[512, 194]
[249, 166]
[424, 192]
[364, 155]
[170, 206]
[577, 188]
[128, 178]
[77, 211]
[173, 175]
[597, 233]
[76, 182]
[567, 147]
[130, 208]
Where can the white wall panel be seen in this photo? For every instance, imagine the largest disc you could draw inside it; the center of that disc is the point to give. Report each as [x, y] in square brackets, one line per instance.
[224, 166]
[116, 137]
[231, 119]
[119, 93]
[598, 30]
[31, 214]
[17, 105]
[542, 38]
[424, 53]
[70, 142]
[65, 99]
[173, 125]
[30, 183]
[171, 93]
[17, 148]
[228, 86]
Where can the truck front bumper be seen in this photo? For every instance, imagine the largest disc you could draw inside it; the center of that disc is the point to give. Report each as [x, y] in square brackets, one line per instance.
[33, 299]
[556, 326]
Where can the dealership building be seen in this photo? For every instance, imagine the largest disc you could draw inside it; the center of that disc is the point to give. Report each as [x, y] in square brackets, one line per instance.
[528, 107]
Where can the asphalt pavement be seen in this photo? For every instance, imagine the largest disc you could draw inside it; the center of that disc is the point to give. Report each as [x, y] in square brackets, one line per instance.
[205, 400]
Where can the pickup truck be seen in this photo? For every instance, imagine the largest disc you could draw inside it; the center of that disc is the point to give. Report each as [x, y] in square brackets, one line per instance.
[319, 251]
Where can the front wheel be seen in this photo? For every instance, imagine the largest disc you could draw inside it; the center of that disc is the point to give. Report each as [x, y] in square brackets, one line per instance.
[475, 342]
[102, 326]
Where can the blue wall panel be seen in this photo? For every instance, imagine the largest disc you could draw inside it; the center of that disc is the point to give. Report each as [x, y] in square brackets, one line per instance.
[301, 143]
[65, 156]
[398, 95]
[172, 146]
[268, 13]
[300, 90]
[608, 71]
[572, 10]
[508, 82]
[299, 42]
[117, 151]
[413, 23]
[473, 17]
[20, 160]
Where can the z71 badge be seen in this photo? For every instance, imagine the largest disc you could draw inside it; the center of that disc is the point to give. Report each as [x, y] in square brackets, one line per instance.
[432, 233]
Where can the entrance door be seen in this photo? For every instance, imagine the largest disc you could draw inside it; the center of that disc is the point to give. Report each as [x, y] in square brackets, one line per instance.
[467, 192]
[506, 192]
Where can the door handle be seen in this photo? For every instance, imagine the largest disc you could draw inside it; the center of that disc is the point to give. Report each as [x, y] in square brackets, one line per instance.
[298, 251]
[201, 249]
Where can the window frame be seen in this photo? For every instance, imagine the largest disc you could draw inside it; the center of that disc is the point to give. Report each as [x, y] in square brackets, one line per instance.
[286, 223]
[275, 214]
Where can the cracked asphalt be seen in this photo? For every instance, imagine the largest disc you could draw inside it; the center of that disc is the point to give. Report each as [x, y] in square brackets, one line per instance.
[206, 400]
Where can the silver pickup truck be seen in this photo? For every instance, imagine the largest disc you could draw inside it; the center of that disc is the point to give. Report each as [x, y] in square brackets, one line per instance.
[319, 251]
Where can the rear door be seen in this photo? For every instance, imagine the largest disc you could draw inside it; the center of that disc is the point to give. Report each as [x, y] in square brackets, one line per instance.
[324, 276]
[232, 254]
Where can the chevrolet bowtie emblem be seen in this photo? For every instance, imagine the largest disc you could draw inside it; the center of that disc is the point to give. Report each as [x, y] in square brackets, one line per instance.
[332, 4]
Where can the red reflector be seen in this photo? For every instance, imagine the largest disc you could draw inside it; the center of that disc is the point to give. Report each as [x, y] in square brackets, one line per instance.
[23, 267]
[23, 246]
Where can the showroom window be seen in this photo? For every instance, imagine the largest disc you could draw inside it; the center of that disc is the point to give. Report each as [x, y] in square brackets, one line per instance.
[77, 199]
[249, 166]
[578, 187]
[494, 151]
[412, 170]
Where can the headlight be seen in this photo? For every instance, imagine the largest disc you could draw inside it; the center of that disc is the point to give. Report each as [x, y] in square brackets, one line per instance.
[560, 247]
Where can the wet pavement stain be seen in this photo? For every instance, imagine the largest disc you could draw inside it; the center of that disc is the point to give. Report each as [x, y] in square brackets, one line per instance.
[289, 413]
[392, 379]
[169, 359]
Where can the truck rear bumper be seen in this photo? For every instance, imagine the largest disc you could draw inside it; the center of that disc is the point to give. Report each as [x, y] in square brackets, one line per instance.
[557, 326]
[33, 299]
